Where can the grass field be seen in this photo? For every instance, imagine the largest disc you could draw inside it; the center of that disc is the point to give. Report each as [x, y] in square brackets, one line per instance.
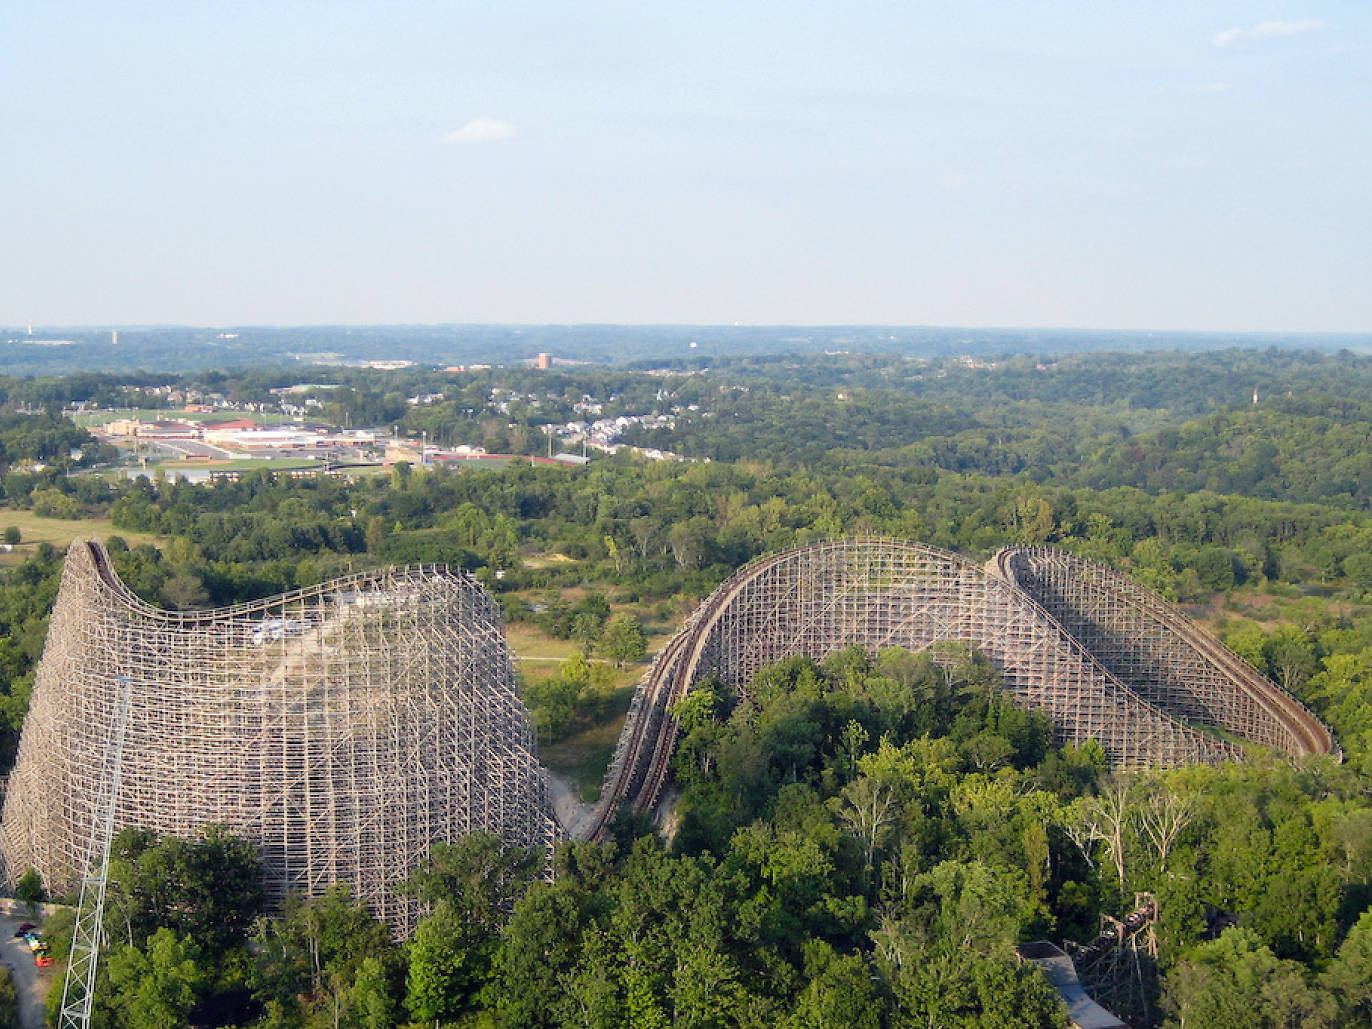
[245, 464]
[548, 561]
[528, 643]
[582, 758]
[61, 531]
[470, 464]
[88, 418]
[535, 654]
[538, 656]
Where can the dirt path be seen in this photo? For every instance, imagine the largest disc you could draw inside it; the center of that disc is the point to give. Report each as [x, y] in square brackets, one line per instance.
[571, 811]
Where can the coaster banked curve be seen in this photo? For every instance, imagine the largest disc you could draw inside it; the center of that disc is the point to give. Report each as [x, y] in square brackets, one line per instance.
[1103, 658]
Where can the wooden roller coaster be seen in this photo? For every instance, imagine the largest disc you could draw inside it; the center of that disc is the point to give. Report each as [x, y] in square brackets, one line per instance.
[346, 727]
[1105, 659]
[342, 728]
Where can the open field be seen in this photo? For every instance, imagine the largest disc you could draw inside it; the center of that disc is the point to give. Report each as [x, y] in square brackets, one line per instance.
[528, 643]
[245, 464]
[59, 532]
[1269, 611]
[537, 654]
[86, 419]
[582, 758]
[469, 463]
[548, 561]
[537, 657]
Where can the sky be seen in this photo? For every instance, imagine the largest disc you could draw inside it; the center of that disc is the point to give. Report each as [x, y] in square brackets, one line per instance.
[1102, 164]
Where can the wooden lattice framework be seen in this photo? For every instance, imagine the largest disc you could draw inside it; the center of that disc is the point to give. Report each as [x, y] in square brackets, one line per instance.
[342, 728]
[1103, 658]
[1164, 656]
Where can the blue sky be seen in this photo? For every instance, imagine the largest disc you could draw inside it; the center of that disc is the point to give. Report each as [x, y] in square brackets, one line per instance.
[1101, 165]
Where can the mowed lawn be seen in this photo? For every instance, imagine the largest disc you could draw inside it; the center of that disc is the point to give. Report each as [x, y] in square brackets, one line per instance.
[59, 532]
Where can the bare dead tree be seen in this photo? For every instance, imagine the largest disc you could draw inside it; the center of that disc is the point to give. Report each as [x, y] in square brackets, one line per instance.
[1164, 814]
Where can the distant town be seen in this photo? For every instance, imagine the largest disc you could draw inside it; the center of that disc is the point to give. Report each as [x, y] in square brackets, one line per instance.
[200, 435]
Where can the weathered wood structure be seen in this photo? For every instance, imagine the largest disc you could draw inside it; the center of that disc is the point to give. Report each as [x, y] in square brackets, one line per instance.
[1105, 659]
[346, 727]
[342, 728]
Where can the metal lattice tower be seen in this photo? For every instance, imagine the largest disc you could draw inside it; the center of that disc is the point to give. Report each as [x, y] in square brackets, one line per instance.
[1103, 658]
[78, 987]
[343, 729]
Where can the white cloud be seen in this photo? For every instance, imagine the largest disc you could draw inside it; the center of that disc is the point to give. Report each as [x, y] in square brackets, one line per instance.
[482, 130]
[1213, 87]
[1268, 30]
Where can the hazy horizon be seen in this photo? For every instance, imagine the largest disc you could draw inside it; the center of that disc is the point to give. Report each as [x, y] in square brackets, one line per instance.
[497, 324]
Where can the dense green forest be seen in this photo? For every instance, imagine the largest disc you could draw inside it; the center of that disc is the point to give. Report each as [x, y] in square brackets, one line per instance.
[857, 842]
[860, 843]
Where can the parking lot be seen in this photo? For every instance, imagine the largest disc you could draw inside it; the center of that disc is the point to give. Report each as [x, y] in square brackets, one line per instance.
[30, 982]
